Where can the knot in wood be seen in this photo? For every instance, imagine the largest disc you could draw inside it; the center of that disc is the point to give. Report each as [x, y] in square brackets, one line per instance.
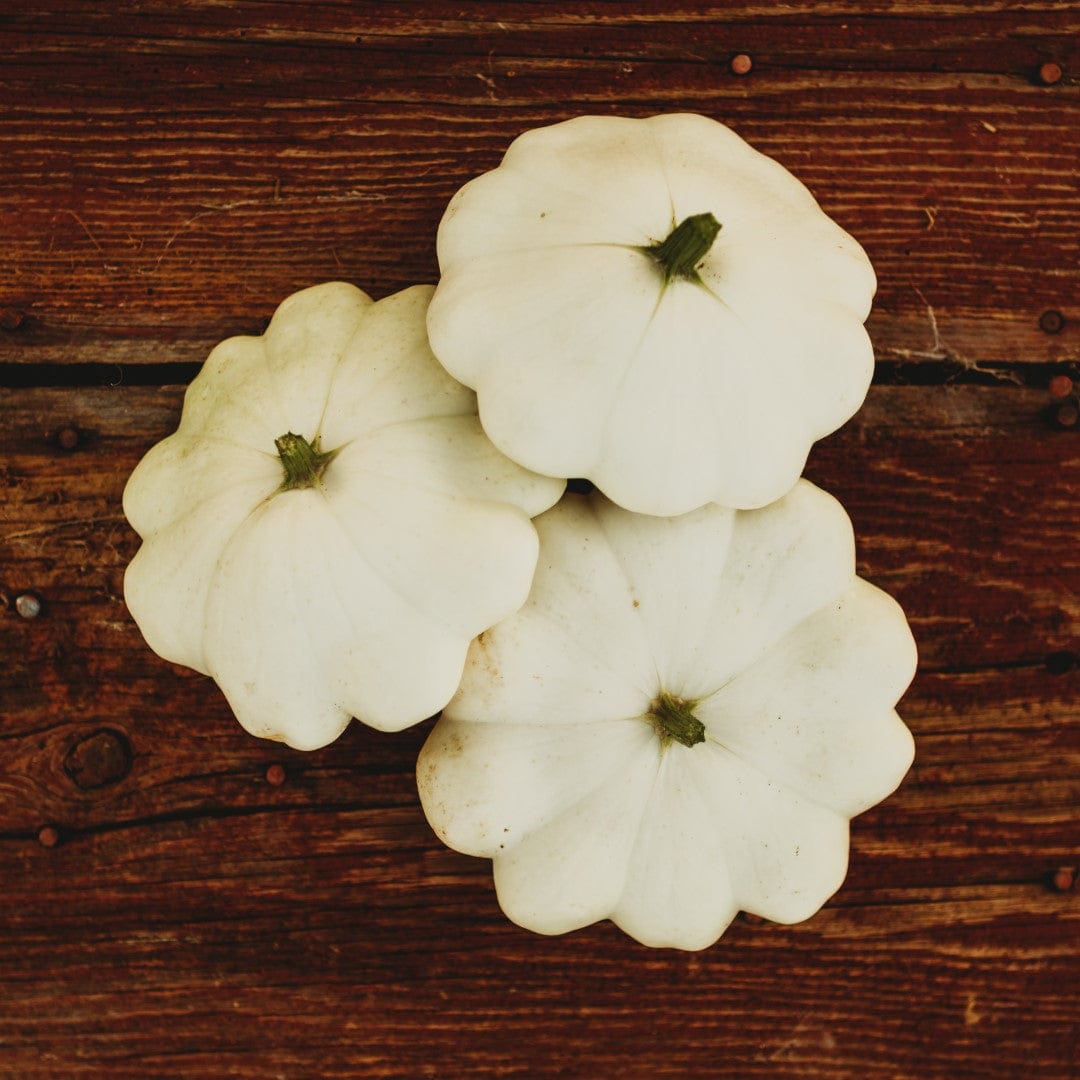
[98, 760]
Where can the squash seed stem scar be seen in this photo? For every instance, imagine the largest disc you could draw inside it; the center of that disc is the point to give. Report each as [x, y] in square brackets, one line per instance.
[303, 462]
[685, 246]
[674, 718]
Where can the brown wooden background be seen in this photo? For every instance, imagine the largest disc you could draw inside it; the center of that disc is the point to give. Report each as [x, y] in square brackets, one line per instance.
[173, 905]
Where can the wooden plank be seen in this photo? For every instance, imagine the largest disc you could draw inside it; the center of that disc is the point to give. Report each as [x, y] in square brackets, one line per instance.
[180, 899]
[198, 920]
[992, 799]
[380, 988]
[955, 502]
[905, 31]
[195, 163]
[103, 738]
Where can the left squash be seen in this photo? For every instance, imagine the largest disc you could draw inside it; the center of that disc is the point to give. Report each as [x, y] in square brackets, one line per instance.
[329, 526]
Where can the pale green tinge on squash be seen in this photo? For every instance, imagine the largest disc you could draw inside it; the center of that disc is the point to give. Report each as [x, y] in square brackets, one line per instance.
[548, 761]
[356, 596]
[588, 362]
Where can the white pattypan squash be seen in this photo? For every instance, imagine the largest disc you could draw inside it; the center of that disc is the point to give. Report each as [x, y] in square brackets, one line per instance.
[329, 526]
[678, 724]
[653, 305]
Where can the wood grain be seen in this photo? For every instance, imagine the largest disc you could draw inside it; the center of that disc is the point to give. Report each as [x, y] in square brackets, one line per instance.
[178, 899]
[320, 919]
[168, 172]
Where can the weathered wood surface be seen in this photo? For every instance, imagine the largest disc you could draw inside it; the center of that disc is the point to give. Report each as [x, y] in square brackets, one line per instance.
[188, 164]
[171, 904]
[195, 917]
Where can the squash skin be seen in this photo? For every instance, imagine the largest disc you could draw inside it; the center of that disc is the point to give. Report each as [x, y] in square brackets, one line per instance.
[547, 761]
[353, 597]
[667, 395]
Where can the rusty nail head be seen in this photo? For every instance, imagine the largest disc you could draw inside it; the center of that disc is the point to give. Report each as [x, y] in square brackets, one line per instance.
[67, 438]
[1051, 322]
[1050, 73]
[10, 319]
[1064, 878]
[1067, 414]
[275, 775]
[741, 64]
[1061, 386]
[28, 605]
[48, 836]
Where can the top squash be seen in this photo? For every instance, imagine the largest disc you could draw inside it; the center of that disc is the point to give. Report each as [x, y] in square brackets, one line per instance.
[329, 526]
[655, 306]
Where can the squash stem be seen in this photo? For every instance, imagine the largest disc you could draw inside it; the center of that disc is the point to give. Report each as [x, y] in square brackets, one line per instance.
[675, 719]
[685, 246]
[303, 462]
